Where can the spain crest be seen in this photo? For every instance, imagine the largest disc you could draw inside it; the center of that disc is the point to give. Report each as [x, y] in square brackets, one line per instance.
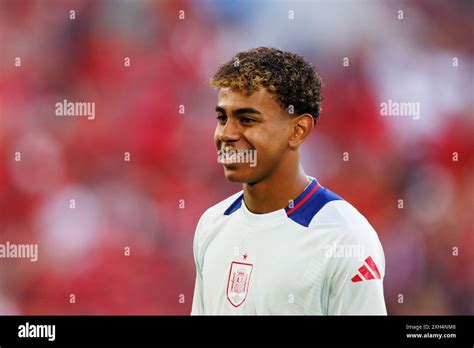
[238, 282]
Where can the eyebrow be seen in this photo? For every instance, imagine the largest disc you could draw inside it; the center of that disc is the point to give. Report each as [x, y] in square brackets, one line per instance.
[240, 111]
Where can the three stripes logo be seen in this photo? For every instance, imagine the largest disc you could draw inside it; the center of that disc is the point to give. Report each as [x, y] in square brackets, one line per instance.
[368, 271]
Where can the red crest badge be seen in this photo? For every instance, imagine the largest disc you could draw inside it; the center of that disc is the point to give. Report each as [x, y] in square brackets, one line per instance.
[238, 282]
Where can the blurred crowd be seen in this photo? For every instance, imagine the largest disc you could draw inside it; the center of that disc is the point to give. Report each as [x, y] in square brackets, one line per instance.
[113, 202]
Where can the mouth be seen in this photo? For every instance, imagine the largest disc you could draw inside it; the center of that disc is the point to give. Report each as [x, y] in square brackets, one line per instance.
[230, 157]
[227, 158]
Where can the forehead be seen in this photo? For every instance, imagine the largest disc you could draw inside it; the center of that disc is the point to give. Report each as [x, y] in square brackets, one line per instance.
[260, 100]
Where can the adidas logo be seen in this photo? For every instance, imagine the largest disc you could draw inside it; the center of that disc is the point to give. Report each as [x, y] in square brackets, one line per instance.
[365, 271]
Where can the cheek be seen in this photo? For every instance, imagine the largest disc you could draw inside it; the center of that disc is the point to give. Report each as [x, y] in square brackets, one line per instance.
[267, 133]
[269, 143]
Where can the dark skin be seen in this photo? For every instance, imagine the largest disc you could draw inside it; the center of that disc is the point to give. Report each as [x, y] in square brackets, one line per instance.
[258, 122]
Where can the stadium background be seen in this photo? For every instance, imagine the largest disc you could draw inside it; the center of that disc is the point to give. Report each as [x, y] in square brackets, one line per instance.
[138, 204]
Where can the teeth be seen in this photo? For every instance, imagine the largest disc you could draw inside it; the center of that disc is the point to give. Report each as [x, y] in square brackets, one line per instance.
[231, 156]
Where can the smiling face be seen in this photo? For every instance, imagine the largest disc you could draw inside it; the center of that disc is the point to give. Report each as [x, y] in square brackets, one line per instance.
[269, 101]
[252, 122]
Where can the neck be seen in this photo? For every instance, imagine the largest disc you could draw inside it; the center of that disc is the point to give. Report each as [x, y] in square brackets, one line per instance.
[276, 190]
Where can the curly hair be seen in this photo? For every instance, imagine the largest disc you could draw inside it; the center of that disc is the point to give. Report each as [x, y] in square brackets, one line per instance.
[289, 76]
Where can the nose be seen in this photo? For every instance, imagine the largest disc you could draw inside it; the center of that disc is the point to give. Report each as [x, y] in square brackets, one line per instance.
[228, 132]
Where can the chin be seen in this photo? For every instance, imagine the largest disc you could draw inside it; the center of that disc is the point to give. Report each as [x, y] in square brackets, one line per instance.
[239, 175]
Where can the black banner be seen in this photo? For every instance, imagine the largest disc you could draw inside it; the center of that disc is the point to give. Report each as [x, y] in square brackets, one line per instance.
[224, 330]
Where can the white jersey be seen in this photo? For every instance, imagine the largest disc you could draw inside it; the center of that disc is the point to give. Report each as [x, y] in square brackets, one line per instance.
[319, 255]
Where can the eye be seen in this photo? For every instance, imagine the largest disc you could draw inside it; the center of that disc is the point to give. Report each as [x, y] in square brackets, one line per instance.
[246, 120]
[222, 119]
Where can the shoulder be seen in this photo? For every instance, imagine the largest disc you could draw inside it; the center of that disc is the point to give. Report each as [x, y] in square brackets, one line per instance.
[350, 240]
[344, 221]
[208, 225]
[218, 212]
[222, 208]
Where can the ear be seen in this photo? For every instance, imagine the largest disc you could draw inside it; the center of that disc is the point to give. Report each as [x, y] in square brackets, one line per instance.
[301, 127]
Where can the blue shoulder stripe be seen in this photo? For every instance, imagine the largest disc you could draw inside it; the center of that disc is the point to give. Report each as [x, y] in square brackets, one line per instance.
[234, 206]
[305, 213]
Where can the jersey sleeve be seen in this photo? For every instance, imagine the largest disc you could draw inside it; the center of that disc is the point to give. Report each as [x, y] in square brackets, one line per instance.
[198, 301]
[356, 283]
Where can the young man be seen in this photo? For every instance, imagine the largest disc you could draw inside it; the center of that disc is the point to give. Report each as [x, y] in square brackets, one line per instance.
[285, 244]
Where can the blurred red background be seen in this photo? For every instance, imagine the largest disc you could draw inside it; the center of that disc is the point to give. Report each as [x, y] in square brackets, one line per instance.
[151, 204]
